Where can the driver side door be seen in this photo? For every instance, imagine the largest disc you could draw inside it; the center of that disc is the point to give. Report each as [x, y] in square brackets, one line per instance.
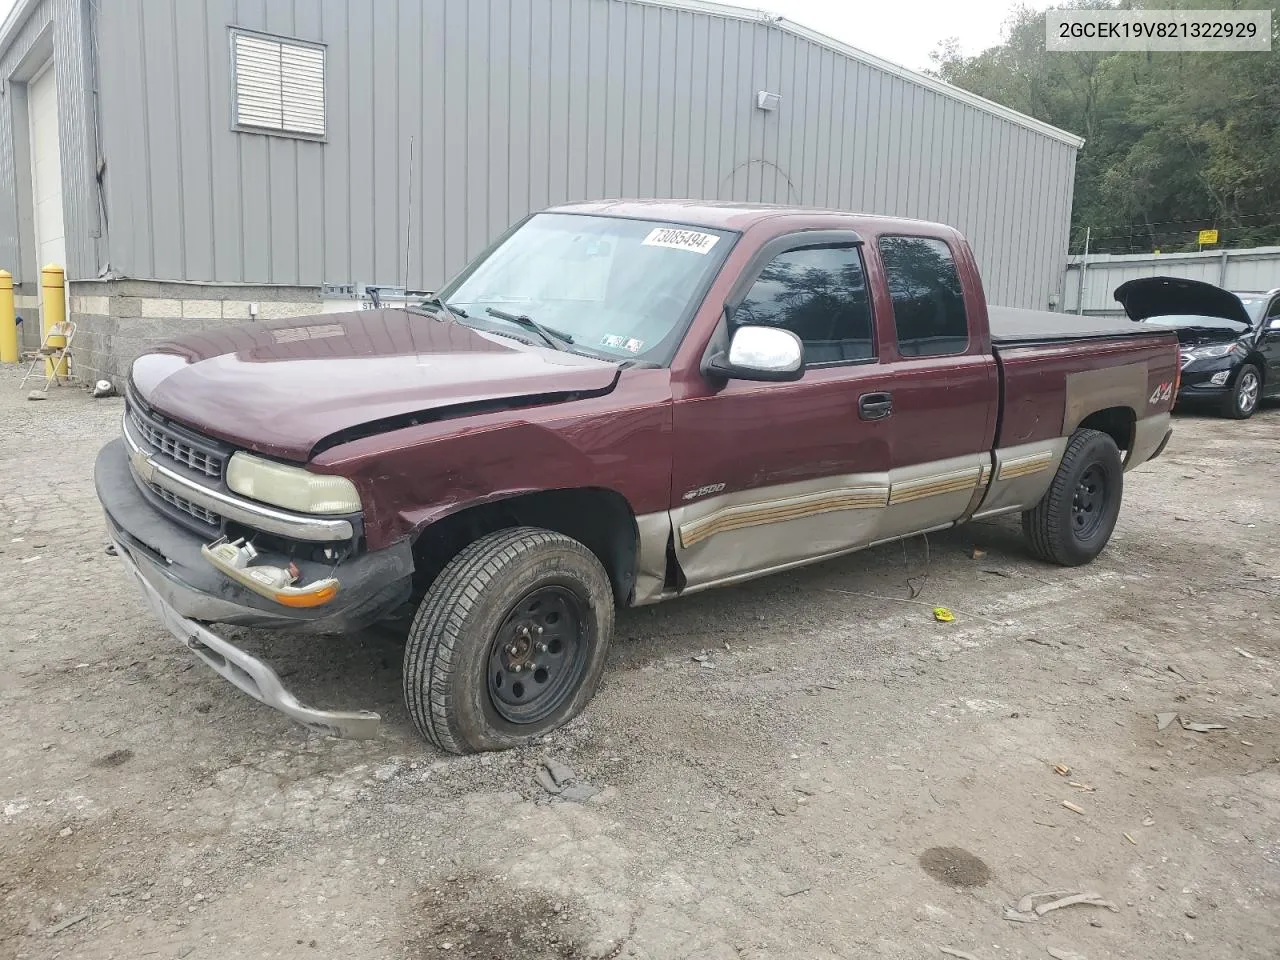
[771, 475]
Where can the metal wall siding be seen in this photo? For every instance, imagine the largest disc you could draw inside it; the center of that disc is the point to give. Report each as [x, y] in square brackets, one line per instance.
[511, 105]
[542, 151]
[193, 140]
[19, 258]
[387, 147]
[333, 193]
[1252, 269]
[364, 139]
[160, 107]
[65, 21]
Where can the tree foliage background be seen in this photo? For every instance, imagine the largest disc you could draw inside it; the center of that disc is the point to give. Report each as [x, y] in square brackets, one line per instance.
[1173, 141]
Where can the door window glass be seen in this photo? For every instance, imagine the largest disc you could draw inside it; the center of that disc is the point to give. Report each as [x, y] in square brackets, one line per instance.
[820, 295]
[928, 301]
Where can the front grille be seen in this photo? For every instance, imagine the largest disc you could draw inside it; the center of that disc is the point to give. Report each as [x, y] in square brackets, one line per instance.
[186, 506]
[177, 448]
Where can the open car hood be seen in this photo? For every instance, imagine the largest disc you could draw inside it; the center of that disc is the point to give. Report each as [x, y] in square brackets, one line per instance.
[1165, 296]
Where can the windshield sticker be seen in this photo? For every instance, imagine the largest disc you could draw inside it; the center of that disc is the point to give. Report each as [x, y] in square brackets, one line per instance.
[613, 341]
[633, 345]
[681, 240]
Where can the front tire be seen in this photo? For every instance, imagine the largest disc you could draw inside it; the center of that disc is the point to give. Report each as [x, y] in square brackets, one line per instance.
[1073, 521]
[1241, 403]
[510, 641]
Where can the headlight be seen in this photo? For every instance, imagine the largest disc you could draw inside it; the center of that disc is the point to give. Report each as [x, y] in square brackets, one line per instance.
[1213, 351]
[291, 487]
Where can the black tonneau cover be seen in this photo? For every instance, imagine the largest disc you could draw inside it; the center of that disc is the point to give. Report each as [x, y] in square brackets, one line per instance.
[1013, 326]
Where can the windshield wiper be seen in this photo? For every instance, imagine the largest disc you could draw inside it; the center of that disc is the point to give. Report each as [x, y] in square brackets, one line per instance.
[553, 338]
[449, 311]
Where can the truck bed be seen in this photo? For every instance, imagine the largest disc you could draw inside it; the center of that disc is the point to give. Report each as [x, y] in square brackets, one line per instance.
[1012, 327]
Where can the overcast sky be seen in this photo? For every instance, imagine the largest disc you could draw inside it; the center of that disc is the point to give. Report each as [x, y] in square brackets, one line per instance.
[904, 31]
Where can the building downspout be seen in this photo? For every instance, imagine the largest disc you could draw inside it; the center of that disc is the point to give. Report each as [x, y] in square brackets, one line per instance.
[101, 226]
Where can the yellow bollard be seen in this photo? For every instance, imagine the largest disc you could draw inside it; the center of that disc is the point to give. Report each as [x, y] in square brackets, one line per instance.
[8, 320]
[54, 293]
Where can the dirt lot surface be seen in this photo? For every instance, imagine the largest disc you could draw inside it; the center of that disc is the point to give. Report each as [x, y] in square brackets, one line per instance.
[841, 776]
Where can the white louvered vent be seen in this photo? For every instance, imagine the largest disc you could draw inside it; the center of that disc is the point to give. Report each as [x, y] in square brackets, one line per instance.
[279, 85]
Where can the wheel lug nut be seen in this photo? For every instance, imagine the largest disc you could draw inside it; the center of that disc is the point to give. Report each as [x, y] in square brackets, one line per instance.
[538, 630]
[516, 668]
[542, 648]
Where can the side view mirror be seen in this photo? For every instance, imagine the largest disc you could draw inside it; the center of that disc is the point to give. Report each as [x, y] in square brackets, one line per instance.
[760, 353]
[1273, 325]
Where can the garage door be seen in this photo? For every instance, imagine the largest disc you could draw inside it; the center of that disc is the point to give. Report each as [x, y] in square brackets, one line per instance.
[46, 169]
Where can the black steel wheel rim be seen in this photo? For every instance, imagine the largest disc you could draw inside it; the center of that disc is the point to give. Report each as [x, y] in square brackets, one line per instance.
[539, 655]
[1089, 503]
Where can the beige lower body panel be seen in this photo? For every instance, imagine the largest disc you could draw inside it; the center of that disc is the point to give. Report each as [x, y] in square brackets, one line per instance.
[927, 496]
[1021, 477]
[742, 534]
[654, 530]
[1090, 390]
[1148, 435]
[751, 533]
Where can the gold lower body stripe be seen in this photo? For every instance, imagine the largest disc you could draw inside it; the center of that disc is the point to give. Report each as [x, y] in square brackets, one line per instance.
[778, 511]
[959, 482]
[1025, 466]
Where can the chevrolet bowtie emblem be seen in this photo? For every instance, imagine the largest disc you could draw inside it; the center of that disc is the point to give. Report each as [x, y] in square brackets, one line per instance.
[142, 466]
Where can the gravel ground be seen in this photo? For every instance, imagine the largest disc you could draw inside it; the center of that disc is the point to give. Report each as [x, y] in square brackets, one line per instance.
[837, 775]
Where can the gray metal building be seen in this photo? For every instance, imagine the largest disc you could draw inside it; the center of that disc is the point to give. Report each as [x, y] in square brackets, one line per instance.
[195, 162]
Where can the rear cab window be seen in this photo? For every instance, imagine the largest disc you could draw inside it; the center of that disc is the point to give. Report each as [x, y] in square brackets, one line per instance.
[928, 300]
[820, 294]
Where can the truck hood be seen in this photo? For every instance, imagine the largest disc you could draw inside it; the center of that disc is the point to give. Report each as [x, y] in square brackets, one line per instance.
[285, 388]
[1166, 296]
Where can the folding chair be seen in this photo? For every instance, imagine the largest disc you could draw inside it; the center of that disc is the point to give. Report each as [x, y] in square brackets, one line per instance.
[55, 354]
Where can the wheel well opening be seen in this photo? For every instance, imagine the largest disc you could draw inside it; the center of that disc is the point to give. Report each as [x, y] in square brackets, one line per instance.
[1116, 422]
[1259, 363]
[601, 520]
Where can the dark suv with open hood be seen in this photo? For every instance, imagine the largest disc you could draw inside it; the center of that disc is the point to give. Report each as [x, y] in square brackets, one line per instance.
[1230, 342]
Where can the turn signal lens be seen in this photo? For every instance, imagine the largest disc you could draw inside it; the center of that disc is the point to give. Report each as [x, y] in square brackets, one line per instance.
[317, 598]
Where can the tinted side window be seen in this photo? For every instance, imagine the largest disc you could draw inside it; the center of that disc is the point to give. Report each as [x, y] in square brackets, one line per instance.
[928, 302]
[820, 295]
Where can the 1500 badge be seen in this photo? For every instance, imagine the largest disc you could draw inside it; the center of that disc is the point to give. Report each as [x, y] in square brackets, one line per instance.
[703, 491]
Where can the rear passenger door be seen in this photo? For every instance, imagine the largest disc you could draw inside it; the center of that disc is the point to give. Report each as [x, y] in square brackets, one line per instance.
[944, 385]
[766, 475]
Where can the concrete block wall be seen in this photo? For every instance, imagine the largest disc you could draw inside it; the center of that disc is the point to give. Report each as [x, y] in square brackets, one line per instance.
[118, 320]
[26, 303]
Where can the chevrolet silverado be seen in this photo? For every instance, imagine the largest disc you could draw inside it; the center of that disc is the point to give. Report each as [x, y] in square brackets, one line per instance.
[620, 402]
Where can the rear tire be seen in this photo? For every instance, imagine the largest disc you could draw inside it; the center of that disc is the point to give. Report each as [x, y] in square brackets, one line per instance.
[1073, 521]
[1242, 402]
[510, 641]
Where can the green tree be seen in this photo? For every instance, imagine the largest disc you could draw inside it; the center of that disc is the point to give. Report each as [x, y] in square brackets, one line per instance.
[1174, 142]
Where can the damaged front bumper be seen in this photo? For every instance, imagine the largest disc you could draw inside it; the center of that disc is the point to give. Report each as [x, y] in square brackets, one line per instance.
[248, 672]
[188, 592]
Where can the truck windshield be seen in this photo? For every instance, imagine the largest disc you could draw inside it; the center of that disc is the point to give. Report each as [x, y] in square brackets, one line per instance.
[619, 288]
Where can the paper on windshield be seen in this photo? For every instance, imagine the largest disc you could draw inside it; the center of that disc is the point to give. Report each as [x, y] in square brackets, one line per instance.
[681, 240]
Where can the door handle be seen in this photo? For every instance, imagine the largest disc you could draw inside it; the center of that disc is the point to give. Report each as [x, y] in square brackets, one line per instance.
[875, 406]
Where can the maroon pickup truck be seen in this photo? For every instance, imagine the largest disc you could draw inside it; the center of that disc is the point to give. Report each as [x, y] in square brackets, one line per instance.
[618, 403]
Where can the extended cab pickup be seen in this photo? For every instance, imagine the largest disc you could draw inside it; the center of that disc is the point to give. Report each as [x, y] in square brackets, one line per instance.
[618, 403]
